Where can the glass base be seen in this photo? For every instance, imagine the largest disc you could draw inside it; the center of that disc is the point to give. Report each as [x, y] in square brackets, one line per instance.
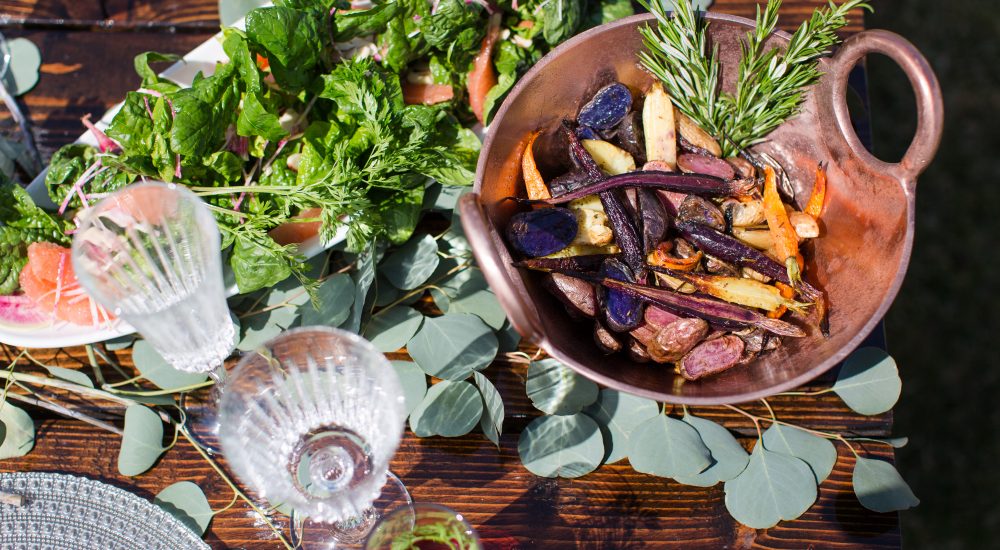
[351, 533]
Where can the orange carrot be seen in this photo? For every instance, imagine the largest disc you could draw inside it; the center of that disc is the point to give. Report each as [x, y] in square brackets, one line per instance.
[661, 258]
[426, 94]
[786, 243]
[533, 182]
[262, 62]
[815, 205]
[482, 77]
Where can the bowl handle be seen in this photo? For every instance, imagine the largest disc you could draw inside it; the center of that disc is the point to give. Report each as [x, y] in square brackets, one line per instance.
[930, 107]
[485, 241]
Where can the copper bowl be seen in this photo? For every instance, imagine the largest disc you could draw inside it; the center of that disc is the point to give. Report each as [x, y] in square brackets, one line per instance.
[859, 260]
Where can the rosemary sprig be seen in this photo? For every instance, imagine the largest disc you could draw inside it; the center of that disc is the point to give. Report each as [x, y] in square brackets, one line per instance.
[771, 84]
[677, 55]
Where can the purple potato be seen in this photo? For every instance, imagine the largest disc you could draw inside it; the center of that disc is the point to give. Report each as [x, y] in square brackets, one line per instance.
[712, 357]
[654, 219]
[568, 182]
[622, 311]
[676, 339]
[702, 211]
[542, 232]
[586, 132]
[608, 107]
[630, 137]
[606, 341]
[637, 352]
[704, 164]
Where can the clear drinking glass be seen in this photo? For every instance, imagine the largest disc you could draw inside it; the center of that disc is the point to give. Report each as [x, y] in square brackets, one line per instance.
[150, 254]
[311, 420]
[423, 526]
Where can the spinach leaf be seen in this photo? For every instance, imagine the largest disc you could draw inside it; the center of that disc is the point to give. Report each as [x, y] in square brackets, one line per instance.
[354, 23]
[236, 48]
[256, 265]
[561, 19]
[68, 164]
[151, 80]
[203, 112]
[256, 120]
[511, 61]
[132, 127]
[293, 40]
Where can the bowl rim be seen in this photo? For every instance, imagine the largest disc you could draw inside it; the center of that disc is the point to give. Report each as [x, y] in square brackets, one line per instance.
[736, 397]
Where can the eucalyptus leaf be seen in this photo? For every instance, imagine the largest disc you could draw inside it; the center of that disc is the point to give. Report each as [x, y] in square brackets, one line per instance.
[391, 329]
[667, 447]
[120, 343]
[453, 346]
[155, 368]
[363, 278]
[19, 431]
[70, 375]
[618, 413]
[186, 502]
[729, 458]
[817, 452]
[3, 432]
[277, 311]
[414, 383]
[561, 446]
[773, 487]
[336, 295]
[869, 381]
[25, 62]
[493, 415]
[142, 442]
[450, 409]
[557, 389]
[411, 265]
[385, 293]
[468, 292]
[880, 487]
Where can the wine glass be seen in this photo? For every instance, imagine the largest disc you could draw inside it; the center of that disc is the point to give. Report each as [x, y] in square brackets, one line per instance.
[423, 526]
[150, 254]
[310, 421]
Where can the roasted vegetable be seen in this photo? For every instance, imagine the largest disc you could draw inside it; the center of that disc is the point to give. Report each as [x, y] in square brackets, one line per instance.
[691, 133]
[638, 352]
[654, 218]
[676, 339]
[818, 196]
[712, 357]
[580, 262]
[568, 182]
[786, 243]
[622, 311]
[699, 210]
[584, 250]
[805, 225]
[608, 107]
[703, 164]
[694, 184]
[718, 312]
[533, 182]
[659, 127]
[716, 266]
[737, 290]
[606, 341]
[578, 296]
[593, 227]
[744, 213]
[611, 158]
[630, 137]
[661, 258]
[541, 232]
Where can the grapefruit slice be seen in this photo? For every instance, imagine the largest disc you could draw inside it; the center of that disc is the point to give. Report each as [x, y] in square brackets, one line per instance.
[49, 281]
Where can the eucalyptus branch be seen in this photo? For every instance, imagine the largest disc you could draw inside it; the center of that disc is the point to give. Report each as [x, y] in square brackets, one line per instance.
[155, 393]
[758, 419]
[61, 410]
[218, 470]
[98, 375]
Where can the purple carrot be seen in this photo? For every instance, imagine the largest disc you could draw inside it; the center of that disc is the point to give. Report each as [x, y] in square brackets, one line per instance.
[692, 184]
[622, 223]
[587, 262]
[714, 311]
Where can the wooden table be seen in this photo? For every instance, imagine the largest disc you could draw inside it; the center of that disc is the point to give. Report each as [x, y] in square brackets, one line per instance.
[87, 48]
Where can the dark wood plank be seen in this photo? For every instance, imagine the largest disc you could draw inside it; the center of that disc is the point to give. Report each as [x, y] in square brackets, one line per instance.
[613, 507]
[202, 15]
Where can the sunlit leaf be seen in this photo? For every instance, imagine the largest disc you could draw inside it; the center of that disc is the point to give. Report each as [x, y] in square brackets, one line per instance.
[142, 442]
[773, 487]
[450, 409]
[729, 458]
[120, 343]
[278, 311]
[186, 502]
[556, 389]
[391, 329]
[414, 383]
[880, 487]
[618, 413]
[561, 446]
[492, 420]
[25, 61]
[336, 295]
[869, 381]
[468, 292]
[817, 452]
[411, 265]
[363, 278]
[19, 431]
[667, 447]
[155, 368]
[70, 375]
[453, 345]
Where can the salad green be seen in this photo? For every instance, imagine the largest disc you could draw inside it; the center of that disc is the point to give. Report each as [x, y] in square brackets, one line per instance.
[309, 114]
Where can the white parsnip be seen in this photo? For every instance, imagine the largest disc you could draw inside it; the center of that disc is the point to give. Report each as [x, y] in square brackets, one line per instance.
[611, 158]
[659, 127]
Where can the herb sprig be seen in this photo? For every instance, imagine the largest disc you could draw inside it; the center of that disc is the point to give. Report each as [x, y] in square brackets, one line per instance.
[771, 84]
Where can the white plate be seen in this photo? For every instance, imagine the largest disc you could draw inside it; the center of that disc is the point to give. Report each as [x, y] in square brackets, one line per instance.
[60, 334]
